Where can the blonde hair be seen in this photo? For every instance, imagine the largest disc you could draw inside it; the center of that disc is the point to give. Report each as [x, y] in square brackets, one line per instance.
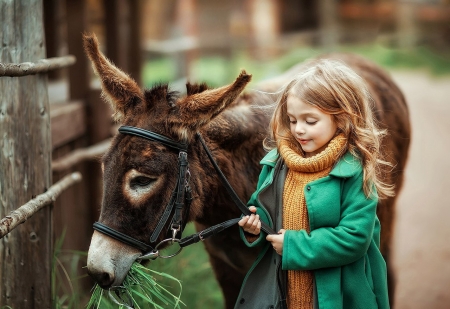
[335, 89]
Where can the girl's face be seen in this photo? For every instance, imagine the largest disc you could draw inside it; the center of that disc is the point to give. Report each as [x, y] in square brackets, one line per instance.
[311, 127]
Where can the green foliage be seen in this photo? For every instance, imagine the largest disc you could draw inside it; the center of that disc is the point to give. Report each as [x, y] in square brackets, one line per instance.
[66, 292]
[158, 71]
[218, 71]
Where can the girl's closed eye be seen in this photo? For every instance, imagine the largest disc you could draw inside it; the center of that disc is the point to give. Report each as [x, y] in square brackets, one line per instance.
[311, 121]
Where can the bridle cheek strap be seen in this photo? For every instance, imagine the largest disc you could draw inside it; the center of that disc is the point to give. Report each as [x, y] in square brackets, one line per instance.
[178, 202]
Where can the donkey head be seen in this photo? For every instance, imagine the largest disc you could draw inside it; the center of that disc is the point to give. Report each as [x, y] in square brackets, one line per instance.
[139, 175]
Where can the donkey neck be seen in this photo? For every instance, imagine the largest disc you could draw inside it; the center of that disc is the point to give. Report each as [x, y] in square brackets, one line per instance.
[235, 141]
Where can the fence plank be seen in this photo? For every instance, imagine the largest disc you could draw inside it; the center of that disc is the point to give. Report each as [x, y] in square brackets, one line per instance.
[25, 156]
[68, 122]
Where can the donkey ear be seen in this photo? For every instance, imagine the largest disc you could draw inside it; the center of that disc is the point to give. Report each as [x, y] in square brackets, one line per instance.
[118, 88]
[203, 105]
[195, 88]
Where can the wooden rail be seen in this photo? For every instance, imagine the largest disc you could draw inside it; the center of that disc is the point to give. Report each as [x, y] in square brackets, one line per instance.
[40, 66]
[20, 215]
[79, 155]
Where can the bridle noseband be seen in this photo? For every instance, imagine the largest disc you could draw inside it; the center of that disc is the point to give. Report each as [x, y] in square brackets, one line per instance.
[181, 196]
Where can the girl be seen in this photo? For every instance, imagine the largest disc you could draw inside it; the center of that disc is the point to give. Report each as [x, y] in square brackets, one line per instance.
[320, 183]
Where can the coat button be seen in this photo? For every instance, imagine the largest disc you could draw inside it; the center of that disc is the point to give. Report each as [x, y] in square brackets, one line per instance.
[308, 188]
[242, 301]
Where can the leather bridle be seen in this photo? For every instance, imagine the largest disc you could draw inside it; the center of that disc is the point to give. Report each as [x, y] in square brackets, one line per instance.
[181, 197]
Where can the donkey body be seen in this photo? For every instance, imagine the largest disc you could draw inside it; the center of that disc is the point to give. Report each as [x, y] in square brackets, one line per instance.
[140, 175]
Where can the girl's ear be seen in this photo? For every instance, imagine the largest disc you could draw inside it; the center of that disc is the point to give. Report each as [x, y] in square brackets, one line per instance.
[118, 88]
[201, 106]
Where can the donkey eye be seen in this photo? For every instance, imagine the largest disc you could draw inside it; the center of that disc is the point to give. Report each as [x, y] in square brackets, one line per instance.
[141, 181]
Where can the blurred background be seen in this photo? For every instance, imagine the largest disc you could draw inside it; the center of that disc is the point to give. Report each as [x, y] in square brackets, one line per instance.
[211, 41]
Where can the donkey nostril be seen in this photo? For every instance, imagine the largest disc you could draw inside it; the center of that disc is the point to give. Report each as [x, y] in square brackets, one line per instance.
[103, 279]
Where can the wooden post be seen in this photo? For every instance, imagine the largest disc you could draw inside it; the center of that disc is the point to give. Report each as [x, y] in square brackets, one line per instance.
[76, 25]
[122, 30]
[406, 24]
[186, 21]
[329, 24]
[25, 157]
[134, 45]
[265, 24]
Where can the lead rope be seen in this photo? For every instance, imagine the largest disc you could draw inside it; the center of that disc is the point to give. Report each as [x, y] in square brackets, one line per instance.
[242, 207]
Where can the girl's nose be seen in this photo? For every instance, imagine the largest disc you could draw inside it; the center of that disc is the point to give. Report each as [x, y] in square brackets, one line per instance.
[299, 129]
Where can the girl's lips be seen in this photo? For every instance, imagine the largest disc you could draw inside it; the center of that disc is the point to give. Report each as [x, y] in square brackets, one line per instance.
[303, 141]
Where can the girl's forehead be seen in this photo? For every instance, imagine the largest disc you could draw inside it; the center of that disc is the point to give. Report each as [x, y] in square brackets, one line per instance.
[296, 106]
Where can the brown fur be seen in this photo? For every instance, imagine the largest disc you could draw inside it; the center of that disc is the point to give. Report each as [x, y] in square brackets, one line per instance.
[234, 135]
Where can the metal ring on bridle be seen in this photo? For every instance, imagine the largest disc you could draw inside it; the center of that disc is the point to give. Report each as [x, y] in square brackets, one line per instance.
[167, 240]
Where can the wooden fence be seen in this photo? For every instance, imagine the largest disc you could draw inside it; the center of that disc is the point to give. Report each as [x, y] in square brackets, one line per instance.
[47, 126]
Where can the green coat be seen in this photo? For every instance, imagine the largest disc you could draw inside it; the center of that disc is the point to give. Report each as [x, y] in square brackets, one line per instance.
[343, 246]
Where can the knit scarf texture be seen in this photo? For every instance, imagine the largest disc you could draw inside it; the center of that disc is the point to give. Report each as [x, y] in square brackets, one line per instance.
[302, 171]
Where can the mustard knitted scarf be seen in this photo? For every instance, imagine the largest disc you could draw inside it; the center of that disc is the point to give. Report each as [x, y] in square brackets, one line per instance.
[295, 214]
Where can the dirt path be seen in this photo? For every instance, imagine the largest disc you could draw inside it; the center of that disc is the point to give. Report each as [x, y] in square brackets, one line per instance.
[422, 234]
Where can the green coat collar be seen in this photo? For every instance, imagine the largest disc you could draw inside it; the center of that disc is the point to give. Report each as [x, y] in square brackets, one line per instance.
[346, 167]
[271, 158]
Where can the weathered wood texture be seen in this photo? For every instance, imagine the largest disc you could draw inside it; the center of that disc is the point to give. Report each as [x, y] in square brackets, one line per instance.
[68, 122]
[25, 145]
[25, 212]
[79, 118]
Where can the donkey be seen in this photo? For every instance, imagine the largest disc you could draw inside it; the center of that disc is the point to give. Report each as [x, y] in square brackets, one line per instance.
[139, 175]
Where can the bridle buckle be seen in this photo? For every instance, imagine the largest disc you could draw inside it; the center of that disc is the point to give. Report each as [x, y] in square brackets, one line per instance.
[201, 236]
[175, 231]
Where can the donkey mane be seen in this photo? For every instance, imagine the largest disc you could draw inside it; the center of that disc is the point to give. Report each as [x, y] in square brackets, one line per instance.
[159, 91]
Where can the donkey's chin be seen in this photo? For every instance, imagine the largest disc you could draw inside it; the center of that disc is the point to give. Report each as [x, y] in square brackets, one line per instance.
[109, 260]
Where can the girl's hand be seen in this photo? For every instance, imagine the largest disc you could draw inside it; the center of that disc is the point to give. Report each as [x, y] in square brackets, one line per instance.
[277, 241]
[251, 224]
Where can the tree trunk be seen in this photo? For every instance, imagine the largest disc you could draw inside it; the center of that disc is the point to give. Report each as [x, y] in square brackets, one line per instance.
[25, 157]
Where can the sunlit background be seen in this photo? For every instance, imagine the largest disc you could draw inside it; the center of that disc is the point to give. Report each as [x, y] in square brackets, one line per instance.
[211, 41]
